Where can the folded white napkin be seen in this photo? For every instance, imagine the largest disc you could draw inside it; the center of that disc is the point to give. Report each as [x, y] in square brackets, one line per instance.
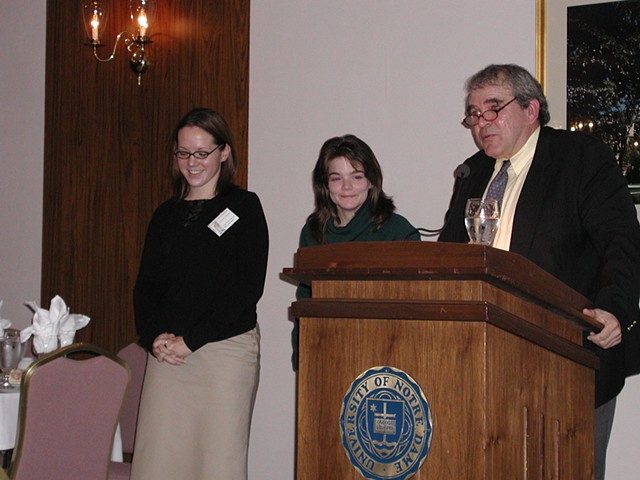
[4, 323]
[68, 326]
[48, 325]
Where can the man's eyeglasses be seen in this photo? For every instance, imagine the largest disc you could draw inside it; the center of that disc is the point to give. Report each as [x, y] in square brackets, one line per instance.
[490, 115]
[200, 154]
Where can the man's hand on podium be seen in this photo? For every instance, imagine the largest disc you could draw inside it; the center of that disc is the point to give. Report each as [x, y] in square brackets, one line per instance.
[611, 333]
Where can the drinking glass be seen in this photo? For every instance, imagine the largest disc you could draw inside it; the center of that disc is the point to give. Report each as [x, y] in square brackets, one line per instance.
[11, 350]
[482, 219]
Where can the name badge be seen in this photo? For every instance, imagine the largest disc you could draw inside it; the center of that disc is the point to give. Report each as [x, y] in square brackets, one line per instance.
[222, 222]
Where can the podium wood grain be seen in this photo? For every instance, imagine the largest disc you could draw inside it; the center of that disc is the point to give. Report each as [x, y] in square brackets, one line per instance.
[501, 364]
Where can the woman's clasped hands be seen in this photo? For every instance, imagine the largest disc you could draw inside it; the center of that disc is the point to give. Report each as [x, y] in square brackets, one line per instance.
[171, 349]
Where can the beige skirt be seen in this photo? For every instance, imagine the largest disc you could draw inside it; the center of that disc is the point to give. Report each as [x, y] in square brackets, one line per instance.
[195, 418]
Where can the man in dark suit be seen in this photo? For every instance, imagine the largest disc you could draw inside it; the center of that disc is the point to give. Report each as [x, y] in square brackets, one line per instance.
[567, 208]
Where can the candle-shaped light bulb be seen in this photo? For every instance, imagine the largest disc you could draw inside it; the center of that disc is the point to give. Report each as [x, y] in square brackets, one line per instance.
[142, 16]
[142, 23]
[95, 23]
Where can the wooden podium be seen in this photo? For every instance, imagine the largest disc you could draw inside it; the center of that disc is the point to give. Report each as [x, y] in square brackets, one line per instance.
[493, 341]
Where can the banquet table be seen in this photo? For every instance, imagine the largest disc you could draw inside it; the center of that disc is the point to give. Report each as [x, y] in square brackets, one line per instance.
[9, 406]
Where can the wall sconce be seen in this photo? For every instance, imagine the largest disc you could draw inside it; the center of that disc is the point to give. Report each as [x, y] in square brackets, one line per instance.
[142, 15]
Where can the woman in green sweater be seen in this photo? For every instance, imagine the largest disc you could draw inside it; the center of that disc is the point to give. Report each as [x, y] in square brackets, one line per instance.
[350, 204]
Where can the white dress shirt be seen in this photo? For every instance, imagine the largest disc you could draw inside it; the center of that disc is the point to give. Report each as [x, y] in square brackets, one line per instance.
[517, 171]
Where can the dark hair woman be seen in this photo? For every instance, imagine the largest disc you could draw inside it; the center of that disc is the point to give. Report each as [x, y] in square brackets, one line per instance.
[350, 204]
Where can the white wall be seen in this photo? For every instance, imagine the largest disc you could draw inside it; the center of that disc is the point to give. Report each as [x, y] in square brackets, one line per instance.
[388, 71]
[22, 54]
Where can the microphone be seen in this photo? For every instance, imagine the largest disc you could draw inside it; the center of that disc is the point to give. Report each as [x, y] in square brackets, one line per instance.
[461, 172]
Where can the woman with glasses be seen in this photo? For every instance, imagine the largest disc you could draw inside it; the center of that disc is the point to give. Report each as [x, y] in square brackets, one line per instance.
[350, 204]
[201, 275]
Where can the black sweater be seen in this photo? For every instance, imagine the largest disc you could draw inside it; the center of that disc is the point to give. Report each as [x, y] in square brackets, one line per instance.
[194, 283]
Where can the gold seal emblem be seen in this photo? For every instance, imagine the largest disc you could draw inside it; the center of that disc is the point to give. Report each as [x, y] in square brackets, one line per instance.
[386, 424]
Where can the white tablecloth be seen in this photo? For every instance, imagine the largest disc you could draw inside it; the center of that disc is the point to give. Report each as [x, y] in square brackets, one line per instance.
[9, 404]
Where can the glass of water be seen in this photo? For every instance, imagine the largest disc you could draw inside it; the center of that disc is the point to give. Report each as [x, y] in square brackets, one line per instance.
[482, 219]
[11, 351]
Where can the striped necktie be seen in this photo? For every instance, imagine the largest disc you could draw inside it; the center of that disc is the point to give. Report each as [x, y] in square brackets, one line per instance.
[498, 184]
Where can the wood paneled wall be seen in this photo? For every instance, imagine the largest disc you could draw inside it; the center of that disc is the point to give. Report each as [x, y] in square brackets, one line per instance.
[108, 143]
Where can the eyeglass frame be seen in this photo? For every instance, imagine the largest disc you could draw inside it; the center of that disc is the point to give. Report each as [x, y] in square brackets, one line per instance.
[198, 154]
[479, 115]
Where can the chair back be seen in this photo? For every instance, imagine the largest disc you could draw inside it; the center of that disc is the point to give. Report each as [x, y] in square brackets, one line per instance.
[69, 411]
[136, 358]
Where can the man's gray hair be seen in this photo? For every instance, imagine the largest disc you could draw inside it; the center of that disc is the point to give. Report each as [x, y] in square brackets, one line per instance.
[524, 86]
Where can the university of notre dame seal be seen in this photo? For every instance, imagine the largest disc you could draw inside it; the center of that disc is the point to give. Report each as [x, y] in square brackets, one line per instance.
[386, 424]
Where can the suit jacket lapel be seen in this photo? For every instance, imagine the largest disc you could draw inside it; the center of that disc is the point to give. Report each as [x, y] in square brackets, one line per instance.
[530, 203]
[481, 180]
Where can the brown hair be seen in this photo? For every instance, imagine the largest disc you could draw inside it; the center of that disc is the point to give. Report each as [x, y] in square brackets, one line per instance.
[214, 124]
[360, 155]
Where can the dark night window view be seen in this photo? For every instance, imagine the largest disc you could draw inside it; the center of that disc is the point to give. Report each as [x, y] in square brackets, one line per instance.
[603, 79]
